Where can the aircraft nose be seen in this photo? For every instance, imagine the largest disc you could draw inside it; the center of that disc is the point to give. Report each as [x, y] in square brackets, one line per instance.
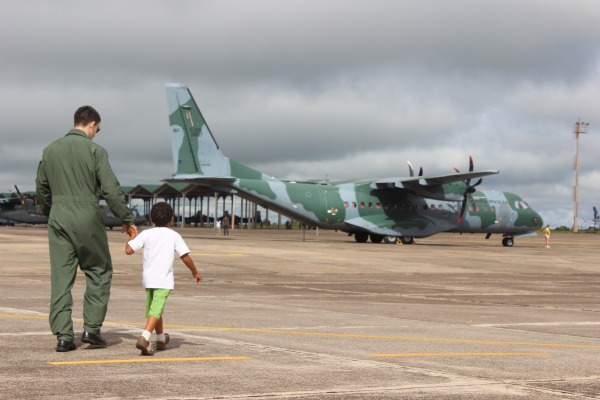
[537, 220]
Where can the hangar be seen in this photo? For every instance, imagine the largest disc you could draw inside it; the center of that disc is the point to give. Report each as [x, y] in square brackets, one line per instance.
[197, 205]
[194, 205]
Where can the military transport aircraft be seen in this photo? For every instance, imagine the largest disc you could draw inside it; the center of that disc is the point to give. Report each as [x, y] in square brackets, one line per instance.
[392, 209]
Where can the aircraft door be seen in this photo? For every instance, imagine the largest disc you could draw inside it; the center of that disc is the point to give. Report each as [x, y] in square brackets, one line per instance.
[504, 215]
[335, 211]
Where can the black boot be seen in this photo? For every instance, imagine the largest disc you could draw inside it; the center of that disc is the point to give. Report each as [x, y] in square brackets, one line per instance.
[95, 341]
[65, 345]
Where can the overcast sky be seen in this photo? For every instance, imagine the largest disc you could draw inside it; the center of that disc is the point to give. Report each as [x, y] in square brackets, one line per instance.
[307, 89]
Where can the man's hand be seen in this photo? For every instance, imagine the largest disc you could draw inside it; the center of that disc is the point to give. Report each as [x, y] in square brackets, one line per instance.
[131, 231]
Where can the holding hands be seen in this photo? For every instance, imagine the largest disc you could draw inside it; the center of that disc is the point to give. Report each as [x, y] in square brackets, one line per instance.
[131, 230]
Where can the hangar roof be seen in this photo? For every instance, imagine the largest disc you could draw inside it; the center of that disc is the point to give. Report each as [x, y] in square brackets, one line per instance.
[166, 191]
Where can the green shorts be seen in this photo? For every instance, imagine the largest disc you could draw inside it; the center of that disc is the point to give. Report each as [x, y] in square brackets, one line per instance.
[155, 301]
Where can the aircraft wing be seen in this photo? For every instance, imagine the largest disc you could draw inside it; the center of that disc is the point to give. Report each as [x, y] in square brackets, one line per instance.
[415, 181]
[310, 182]
[200, 179]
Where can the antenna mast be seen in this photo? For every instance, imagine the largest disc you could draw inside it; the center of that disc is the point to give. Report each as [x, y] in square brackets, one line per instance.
[579, 127]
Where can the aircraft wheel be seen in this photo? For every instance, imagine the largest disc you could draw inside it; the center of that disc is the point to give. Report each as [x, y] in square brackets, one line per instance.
[407, 239]
[508, 242]
[376, 238]
[390, 239]
[361, 237]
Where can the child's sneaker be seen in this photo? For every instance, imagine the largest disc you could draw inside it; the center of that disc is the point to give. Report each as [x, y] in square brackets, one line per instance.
[163, 345]
[144, 346]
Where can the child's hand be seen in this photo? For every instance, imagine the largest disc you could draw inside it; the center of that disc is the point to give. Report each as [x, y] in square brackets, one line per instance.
[198, 277]
[187, 260]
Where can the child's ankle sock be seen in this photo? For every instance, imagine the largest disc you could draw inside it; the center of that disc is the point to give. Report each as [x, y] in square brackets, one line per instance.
[160, 338]
[147, 335]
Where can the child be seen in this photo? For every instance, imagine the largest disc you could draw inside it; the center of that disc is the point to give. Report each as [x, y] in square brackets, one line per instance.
[218, 227]
[159, 243]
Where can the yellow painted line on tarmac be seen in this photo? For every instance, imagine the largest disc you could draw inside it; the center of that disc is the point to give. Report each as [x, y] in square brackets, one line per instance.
[462, 355]
[148, 360]
[24, 316]
[342, 335]
[384, 337]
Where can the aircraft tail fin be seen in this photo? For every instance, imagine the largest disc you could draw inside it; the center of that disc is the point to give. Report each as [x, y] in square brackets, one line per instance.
[595, 213]
[196, 154]
[195, 150]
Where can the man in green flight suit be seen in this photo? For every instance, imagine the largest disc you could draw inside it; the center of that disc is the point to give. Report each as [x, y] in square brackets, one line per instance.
[72, 176]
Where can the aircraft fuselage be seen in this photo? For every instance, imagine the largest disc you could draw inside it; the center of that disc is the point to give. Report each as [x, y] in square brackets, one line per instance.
[353, 207]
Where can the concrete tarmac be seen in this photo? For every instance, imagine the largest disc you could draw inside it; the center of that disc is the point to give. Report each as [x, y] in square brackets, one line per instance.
[279, 317]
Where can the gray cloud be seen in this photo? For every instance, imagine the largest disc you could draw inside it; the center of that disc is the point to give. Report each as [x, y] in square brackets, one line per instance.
[307, 89]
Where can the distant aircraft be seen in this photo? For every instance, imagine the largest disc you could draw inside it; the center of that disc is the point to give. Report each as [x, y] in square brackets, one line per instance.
[596, 219]
[6, 205]
[23, 210]
[392, 209]
[110, 220]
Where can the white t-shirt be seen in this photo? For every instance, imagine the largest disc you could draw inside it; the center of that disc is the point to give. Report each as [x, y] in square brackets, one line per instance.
[159, 243]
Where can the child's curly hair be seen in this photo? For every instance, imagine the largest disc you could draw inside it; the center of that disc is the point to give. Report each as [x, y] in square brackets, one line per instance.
[161, 213]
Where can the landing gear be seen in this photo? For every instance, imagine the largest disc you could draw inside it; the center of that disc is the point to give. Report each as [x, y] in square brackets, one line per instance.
[361, 237]
[508, 241]
[390, 239]
[376, 238]
[407, 239]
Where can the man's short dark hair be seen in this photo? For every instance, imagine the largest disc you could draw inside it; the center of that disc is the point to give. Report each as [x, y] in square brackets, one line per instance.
[86, 114]
[161, 213]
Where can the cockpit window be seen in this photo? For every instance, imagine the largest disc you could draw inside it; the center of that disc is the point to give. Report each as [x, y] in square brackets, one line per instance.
[521, 205]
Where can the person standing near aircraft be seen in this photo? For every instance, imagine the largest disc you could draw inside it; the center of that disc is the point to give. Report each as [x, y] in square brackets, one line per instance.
[73, 173]
[547, 235]
[226, 225]
[218, 227]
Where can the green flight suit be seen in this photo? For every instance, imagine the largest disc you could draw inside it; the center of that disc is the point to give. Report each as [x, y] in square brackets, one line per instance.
[73, 174]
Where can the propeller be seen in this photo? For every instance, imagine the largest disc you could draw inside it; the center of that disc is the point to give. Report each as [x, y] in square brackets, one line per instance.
[21, 197]
[411, 170]
[469, 189]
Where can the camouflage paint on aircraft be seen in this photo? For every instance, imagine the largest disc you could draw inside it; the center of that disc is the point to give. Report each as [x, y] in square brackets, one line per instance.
[384, 209]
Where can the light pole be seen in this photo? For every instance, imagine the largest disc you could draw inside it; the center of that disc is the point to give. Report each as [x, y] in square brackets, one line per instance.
[579, 127]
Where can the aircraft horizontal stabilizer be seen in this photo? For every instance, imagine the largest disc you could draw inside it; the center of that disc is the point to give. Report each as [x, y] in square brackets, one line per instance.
[219, 184]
